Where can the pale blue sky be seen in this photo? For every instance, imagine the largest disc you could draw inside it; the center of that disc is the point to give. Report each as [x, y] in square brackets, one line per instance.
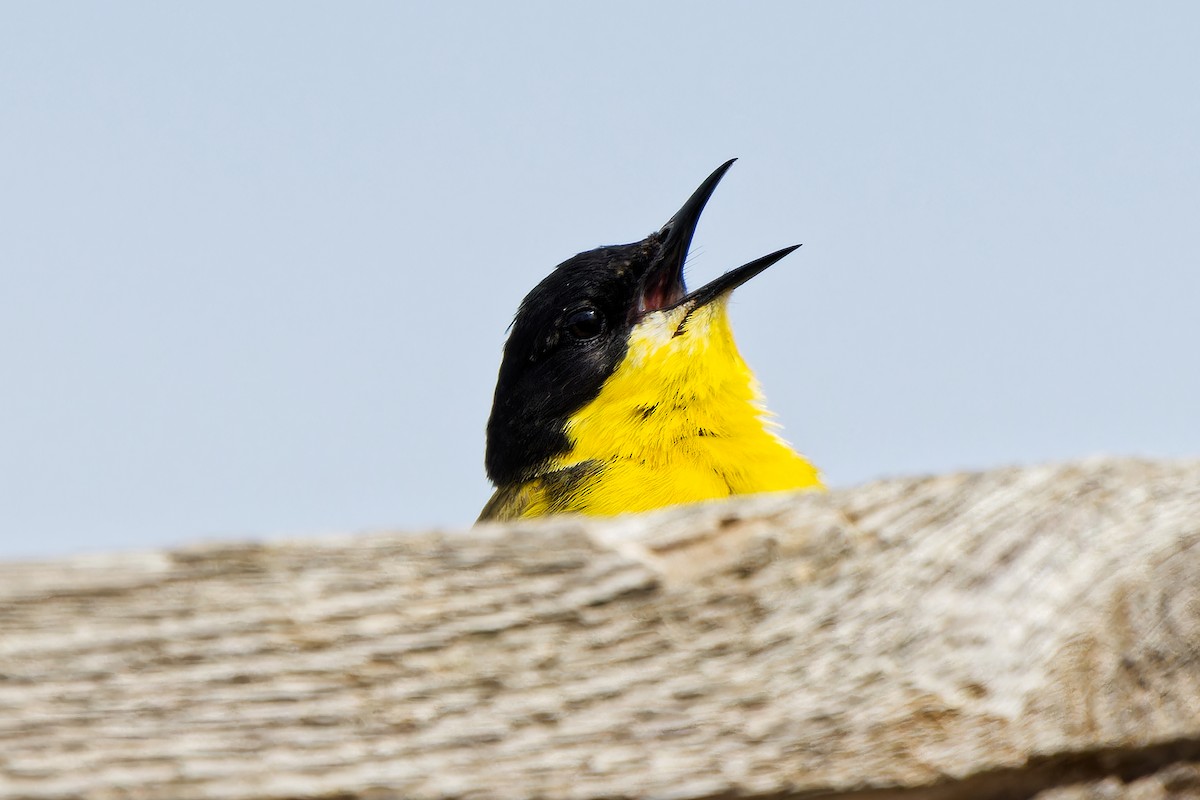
[258, 259]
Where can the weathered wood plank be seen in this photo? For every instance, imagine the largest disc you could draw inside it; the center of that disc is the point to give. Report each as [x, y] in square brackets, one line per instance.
[1022, 632]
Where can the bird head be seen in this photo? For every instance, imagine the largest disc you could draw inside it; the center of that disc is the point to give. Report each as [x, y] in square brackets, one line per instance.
[577, 326]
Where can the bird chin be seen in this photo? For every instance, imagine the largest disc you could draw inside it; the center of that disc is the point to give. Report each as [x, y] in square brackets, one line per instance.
[682, 327]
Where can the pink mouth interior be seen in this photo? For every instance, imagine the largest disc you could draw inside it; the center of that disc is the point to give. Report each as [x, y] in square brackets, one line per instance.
[662, 292]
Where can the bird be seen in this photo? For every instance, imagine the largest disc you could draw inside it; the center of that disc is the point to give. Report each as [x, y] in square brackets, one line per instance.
[620, 391]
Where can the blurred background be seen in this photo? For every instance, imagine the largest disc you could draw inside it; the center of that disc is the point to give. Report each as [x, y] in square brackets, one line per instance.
[258, 260]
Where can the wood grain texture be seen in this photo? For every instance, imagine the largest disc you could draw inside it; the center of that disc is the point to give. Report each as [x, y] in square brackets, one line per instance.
[1019, 633]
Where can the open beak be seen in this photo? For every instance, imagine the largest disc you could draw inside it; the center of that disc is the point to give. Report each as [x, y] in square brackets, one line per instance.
[663, 287]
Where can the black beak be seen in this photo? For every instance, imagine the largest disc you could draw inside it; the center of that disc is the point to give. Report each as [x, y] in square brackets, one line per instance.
[733, 279]
[677, 233]
[663, 286]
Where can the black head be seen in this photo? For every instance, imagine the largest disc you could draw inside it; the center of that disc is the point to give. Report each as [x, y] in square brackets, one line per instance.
[571, 332]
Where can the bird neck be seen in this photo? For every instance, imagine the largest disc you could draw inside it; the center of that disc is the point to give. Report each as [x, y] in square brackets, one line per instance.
[683, 400]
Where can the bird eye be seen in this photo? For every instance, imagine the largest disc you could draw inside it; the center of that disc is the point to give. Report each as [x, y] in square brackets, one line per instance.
[586, 323]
